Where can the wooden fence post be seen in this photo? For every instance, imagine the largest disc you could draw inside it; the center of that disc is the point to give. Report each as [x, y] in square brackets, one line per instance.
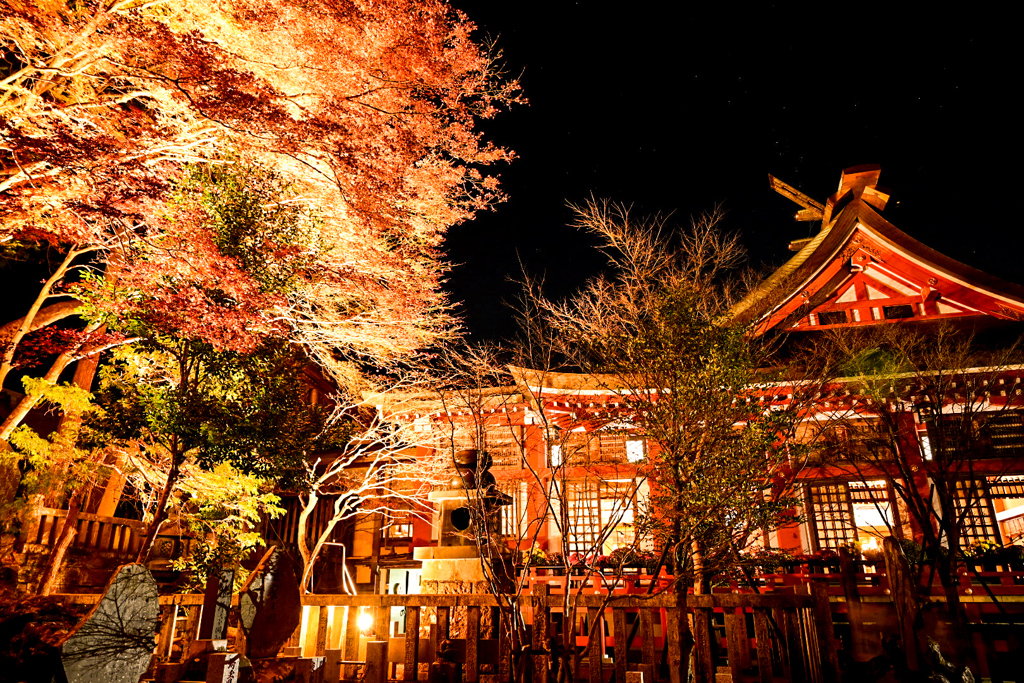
[825, 632]
[705, 668]
[351, 648]
[763, 637]
[677, 666]
[443, 623]
[621, 654]
[541, 614]
[321, 632]
[904, 598]
[734, 623]
[332, 666]
[505, 646]
[412, 643]
[859, 641]
[472, 671]
[376, 670]
[382, 623]
[595, 644]
[647, 637]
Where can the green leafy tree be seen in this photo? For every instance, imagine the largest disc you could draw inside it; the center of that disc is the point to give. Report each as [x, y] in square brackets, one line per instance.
[655, 332]
[183, 404]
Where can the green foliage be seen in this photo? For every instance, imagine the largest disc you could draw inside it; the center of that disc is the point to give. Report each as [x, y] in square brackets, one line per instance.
[632, 557]
[696, 386]
[247, 410]
[238, 423]
[248, 213]
[53, 464]
[913, 551]
[220, 509]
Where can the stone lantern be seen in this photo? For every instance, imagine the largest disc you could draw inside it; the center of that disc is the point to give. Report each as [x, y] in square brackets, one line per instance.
[454, 565]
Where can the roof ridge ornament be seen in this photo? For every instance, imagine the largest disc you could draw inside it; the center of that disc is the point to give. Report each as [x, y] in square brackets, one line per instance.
[856, 182]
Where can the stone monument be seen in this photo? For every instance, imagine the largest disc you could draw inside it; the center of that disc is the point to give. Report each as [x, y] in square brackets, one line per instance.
[115, 641]
[269, 605]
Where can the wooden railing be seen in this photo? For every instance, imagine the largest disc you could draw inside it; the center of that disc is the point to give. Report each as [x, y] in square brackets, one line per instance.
[779, 637]
[785, 633]
[867, 578]
[773, 637]
[121, 537]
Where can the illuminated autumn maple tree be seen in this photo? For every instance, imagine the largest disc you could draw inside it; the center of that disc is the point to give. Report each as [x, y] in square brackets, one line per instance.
[365, 112]
[230, 172]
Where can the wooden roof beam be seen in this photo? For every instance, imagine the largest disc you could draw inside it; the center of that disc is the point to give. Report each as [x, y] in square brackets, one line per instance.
[812, 211]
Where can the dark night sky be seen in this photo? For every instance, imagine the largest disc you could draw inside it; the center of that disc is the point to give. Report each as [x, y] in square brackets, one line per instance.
[680, 109]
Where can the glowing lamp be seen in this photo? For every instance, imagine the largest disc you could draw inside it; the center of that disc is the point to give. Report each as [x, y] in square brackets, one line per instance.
[365, 621]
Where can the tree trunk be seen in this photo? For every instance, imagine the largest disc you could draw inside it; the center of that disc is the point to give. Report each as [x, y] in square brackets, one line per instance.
[957, 613]
[302, 537]
[13, 337]
[60, 547]
[160, 516]
[25, 405]
[686, 641]
[71, 422]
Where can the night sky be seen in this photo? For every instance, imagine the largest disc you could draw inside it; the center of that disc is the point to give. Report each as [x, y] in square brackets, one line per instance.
[676, 110]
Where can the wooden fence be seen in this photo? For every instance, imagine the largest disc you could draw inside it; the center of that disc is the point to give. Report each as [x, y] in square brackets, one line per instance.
[764, 638]
[797, 629]
[777, 637]
[120, 537]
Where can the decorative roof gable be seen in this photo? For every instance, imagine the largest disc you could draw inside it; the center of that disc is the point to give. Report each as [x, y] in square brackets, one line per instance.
[862, 270]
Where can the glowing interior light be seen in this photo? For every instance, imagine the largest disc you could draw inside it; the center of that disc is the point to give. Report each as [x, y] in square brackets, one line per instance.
[365, 621]
[634, 450]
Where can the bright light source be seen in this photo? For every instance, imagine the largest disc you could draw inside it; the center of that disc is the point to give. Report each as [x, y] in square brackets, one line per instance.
[556, 455]
[926, 446]
[365, 621]
[634, 450]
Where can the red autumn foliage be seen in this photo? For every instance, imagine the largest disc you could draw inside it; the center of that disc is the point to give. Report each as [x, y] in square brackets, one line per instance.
[366, 109]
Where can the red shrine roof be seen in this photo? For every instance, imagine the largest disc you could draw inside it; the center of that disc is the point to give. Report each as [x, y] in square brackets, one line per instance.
[860, 269]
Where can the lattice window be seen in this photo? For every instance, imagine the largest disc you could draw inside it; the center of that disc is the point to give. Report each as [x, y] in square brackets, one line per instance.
[576, 449]
[1006, 486]
[830, 515]
[873, 492]
[856, 440]
[949, 435]
[504, 446]
[514, 516]
[583, 502]
[618, 513]
[612, 446]
[873, 509]
[992, 435]
[461, 438]
[975, 512]
[1006, 434]
[1014, 528]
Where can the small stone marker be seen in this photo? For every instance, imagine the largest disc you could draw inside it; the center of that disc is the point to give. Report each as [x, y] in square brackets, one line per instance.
[309, 670]
[223, 667]
[376, 669]
[217, 605]
[269, 605]
[332, 666]
[115, 641]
